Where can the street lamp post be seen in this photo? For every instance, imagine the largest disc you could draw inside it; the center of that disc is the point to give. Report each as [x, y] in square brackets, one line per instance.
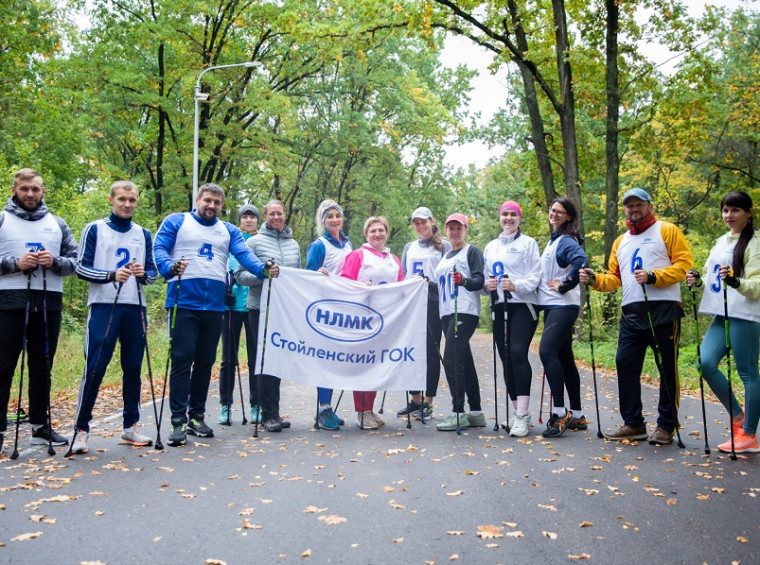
[203, 96]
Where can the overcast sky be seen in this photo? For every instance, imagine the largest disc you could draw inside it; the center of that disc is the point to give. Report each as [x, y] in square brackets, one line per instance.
[490, 91]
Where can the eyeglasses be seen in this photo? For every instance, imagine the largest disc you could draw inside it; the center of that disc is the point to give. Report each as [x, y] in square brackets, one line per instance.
[557, 212]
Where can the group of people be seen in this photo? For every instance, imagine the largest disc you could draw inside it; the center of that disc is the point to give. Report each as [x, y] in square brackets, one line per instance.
[216, 272]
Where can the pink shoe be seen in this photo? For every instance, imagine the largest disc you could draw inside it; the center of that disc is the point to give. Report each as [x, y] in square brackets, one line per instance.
[742, 443]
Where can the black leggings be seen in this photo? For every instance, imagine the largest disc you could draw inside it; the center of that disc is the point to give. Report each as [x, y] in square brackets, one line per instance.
[556, 352]
[521, 326]
[464, 378]
[433, 342]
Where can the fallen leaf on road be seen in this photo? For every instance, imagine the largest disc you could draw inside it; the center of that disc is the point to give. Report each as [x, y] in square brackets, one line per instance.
[312, 510]
[471, 472]
[492, 545]
[550, 507]
[245, 512]
[398, 540]
[214, 562]
[672, 501]
[579, 557]
[489, 532]
[585, 524]
[510, 524]
[248, 526]
[306, 553]
[455, 493]
[515, 534]
[589, 491]
[157, 539]
[550, 535]
[741, 539]
[332, 519]
[455, 532]
[396, 505]
[24, 537]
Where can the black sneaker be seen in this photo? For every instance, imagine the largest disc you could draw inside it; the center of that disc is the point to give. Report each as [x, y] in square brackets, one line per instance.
[285, 424]
[179, 434]
[411, 408]
[273, 425]
[557, 426]
[44, 436]
[197, 427]
[424, 413]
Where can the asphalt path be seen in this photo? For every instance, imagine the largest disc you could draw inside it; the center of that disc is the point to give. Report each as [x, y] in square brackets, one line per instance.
[389, 496]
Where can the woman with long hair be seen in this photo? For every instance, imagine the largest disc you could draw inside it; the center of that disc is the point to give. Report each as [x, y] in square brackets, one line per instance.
[420, 258]
[560, 298]
[735, 260]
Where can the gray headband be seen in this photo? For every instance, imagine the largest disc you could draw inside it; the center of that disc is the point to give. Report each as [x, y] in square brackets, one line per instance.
[331, 207]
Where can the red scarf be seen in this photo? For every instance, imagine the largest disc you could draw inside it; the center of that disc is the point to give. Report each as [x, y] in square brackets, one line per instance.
[642, 225]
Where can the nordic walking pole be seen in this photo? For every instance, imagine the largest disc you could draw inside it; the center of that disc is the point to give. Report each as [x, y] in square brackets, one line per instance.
[340, 397]
[728, 364]
[658, 362]
[50, 450]
[87, 383]
[269, 265]
[159, 443]
[456, 344]
[507, 362]
[494, 300]
[144, 323]
[599, 433]
[14, 455]
[699, 360]
[382, 402]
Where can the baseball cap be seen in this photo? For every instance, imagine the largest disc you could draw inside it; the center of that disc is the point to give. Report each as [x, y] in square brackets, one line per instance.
[457, 218]
[637, 193]
[248, 209]
[422, 213]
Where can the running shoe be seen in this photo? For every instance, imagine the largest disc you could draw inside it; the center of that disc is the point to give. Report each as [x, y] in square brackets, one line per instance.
[80, 442]
[44, 435]
[450, 423]
[328, 420]
[520, 426]
[255, 414]
[133, 437]
[557, 426]
[179, 434]
[365, 421]
[742, 444]
[410, 409]
[426, 412]
[478, 421]
[225, 418]
[578, 424]
[198, 427]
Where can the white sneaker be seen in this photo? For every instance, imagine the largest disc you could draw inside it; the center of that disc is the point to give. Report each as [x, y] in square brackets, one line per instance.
[504, 425]
[133, 437]
[378, 420]
[368, 423]
[80, 442]
[520, 426]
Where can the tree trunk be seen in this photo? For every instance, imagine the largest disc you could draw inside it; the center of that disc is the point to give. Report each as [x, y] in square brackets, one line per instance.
[612, 180]
[567, 109]
[538, 135]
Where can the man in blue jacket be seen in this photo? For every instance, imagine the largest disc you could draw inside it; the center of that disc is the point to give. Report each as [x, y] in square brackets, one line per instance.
[191, 250]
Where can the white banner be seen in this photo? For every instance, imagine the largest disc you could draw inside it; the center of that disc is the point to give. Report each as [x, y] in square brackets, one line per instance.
[329, 331]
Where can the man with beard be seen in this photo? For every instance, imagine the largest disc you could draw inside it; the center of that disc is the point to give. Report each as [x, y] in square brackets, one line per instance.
[37, 249]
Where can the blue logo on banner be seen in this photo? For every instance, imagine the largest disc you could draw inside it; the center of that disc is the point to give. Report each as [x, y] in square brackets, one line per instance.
[341, 320]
